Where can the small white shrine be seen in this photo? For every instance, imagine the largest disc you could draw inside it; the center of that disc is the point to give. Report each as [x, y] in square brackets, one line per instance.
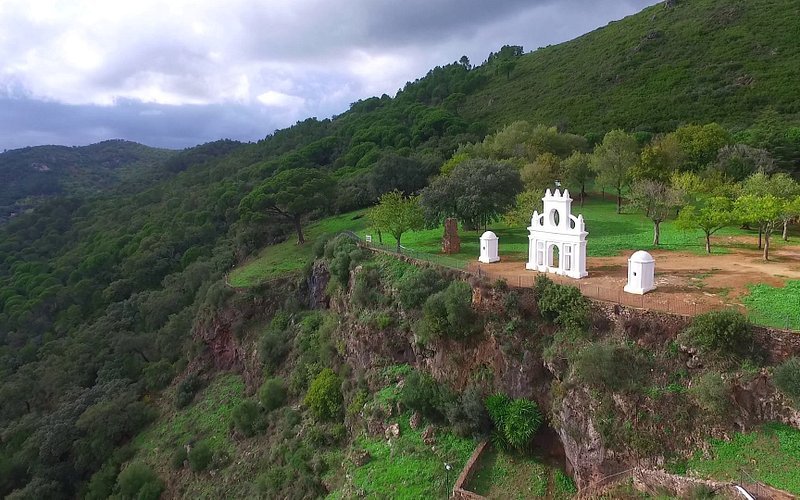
[489, 248]
[641, 273]
[557, 238]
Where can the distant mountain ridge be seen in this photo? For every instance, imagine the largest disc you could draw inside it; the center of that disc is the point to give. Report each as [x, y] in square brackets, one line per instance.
[32, 173]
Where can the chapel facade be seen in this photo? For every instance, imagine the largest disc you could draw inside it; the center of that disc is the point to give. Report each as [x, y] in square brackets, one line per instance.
[557, 239]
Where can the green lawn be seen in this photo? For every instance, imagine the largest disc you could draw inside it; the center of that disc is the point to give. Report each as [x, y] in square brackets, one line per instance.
[770, 455]
[505, 476]
[775, 306]
[208, 418]
[609, 234]
[287, 257]
[408, 468]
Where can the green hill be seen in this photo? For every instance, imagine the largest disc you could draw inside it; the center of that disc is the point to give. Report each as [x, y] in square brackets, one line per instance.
[42, 171]
[700, 61]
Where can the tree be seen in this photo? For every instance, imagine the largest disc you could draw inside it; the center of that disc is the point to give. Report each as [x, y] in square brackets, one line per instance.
[709, 215]
[659, 159]
[764, 211]
[657, 200]
[613, 159]
[396, 215]
[576, 171]
[780, 185]
[701, 144]
[739, 161]
[324, 397]
[291, 195]
[542, 173]
[477, 192]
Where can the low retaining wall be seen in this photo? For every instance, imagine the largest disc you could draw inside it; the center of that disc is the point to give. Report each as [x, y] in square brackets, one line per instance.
[459, 493]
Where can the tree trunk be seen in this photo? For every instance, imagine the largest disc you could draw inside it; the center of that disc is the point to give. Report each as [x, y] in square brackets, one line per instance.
[380, 237]
[760, 233]
[583, 193]
[299, 229]
[619, 201]
[766, 246]
[708, 243]
[398, 245]
[656, 232]
[785, 229]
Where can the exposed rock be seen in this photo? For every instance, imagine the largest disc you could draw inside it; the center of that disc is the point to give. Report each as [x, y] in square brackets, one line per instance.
[317, 284]
[393, 431]
[429, 436]
[361, 458]
[415, 420]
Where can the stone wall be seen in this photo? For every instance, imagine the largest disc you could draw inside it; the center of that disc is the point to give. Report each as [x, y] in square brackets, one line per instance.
[459, 491]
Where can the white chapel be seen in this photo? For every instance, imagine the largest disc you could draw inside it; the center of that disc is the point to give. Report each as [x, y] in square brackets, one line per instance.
[557, 238]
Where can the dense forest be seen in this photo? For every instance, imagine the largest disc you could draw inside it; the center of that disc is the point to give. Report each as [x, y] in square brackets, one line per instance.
[103, 281]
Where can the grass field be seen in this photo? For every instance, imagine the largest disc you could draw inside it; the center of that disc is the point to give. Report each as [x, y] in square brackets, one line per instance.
[770, 455]
[408, 468]
[287, 257]
[775, 306]
[504, 476]
[609, 234]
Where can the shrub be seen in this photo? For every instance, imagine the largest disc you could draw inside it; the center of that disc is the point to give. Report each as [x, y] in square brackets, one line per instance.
[366, 286]
[610, 365]
[422, 393]
[324, 397]
[140, 482]
[787, 379]
[342, 254]
[564, 484]
[319, 245]
[467, 414]
[101, 486]
[450, 313]
[186, 390]
[272, 394]
[275, 341]
[515, 421]
[723, 334]
[711, 393]
[561, 304]
[179, 456]
[247, 418]
[157, 375]
[414, 288]
[200, 456]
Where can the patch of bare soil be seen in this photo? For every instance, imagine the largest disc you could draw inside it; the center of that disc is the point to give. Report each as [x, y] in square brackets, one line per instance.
[687, 283]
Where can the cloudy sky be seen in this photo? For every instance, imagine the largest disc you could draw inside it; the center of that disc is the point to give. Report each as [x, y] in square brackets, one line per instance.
[179, 73]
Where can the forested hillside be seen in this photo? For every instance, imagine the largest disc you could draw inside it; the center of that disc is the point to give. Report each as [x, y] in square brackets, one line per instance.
[100, 291]
[28, 175]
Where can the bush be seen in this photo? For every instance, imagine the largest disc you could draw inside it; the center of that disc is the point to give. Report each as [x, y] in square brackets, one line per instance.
[200, 456]
[247, 418]
[343, 254]
[722, 334]
[422, 393]
[449, 313]
[275, 341]
[414, 288]
[609, 365]
[515, 421]
[272, 394]
[157, 375]
[711, 393]
[319, 245]
[179, 456]
[366, 286]
[138, 481]
[324, 397]
[787, 379]
[561, 304]
[467, 415]
[101, 486]
[186, 390]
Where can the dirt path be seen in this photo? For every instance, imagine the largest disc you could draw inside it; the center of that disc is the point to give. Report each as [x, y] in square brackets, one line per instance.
[686, 282]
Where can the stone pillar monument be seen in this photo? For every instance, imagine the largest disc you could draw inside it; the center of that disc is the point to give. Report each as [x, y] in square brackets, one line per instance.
[451, 243]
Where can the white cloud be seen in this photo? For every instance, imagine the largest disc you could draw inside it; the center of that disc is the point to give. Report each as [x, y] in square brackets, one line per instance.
[290, 56]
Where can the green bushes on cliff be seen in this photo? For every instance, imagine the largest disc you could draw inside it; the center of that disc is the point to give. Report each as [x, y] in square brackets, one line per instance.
[721, 335]
[324, 397]
[449, 313]
[247, 418]
[711, 393]
[610, 365]
[787, 379]
[515, 421]
[561, 304]
[415, 287]
[139, 481]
